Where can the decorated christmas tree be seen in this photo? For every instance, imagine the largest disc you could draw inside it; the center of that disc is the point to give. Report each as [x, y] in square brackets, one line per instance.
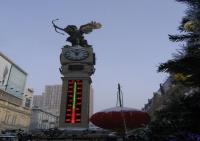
[185, 64]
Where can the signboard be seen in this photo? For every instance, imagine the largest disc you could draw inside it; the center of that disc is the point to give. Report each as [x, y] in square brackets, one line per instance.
[12, 77]
[16, 82]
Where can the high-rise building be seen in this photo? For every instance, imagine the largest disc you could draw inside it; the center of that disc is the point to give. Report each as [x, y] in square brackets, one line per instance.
[38, 101]
[52, 99]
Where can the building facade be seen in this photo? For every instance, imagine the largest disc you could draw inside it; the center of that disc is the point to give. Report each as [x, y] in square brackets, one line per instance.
[12, 84]
[12, 114]
[41, 119]
[38, 101]
[28, 98]
[13, 117]
[167, 91]
[12, 77]
[52, 99]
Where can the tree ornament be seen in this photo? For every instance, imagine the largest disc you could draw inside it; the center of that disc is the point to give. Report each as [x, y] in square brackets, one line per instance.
[191, 26]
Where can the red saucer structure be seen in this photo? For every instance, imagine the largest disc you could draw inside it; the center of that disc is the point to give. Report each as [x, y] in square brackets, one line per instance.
[120, 118]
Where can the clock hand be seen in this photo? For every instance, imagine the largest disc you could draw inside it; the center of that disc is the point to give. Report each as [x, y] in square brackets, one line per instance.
[77, 52]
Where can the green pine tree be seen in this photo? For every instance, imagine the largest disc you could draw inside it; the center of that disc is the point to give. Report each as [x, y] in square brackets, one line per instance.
[182, 114]
[185, 64]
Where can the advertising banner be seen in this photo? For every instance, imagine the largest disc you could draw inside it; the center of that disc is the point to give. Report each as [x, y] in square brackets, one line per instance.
[16, 82]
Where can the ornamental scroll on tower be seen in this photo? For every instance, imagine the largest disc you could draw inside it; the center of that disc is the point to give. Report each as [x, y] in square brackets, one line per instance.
[77, 65]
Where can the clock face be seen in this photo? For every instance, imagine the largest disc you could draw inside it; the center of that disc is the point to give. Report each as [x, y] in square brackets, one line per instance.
[76, 54]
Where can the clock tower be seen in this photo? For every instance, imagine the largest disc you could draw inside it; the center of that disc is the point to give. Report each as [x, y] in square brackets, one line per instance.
[77, 65]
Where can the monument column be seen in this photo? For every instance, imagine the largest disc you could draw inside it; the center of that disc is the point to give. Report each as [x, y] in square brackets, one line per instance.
[77, 65]
[76, 71]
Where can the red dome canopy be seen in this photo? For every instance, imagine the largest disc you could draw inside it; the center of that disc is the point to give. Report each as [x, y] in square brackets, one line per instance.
[116, 118]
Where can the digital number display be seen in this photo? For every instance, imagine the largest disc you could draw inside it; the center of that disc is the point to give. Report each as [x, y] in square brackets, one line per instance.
[73, 102]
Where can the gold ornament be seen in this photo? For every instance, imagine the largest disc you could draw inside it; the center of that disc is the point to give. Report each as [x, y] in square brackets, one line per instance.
[181, 76]
[191, 26]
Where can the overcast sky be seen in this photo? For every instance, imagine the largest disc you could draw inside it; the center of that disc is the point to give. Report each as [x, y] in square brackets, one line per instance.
[129, 47]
